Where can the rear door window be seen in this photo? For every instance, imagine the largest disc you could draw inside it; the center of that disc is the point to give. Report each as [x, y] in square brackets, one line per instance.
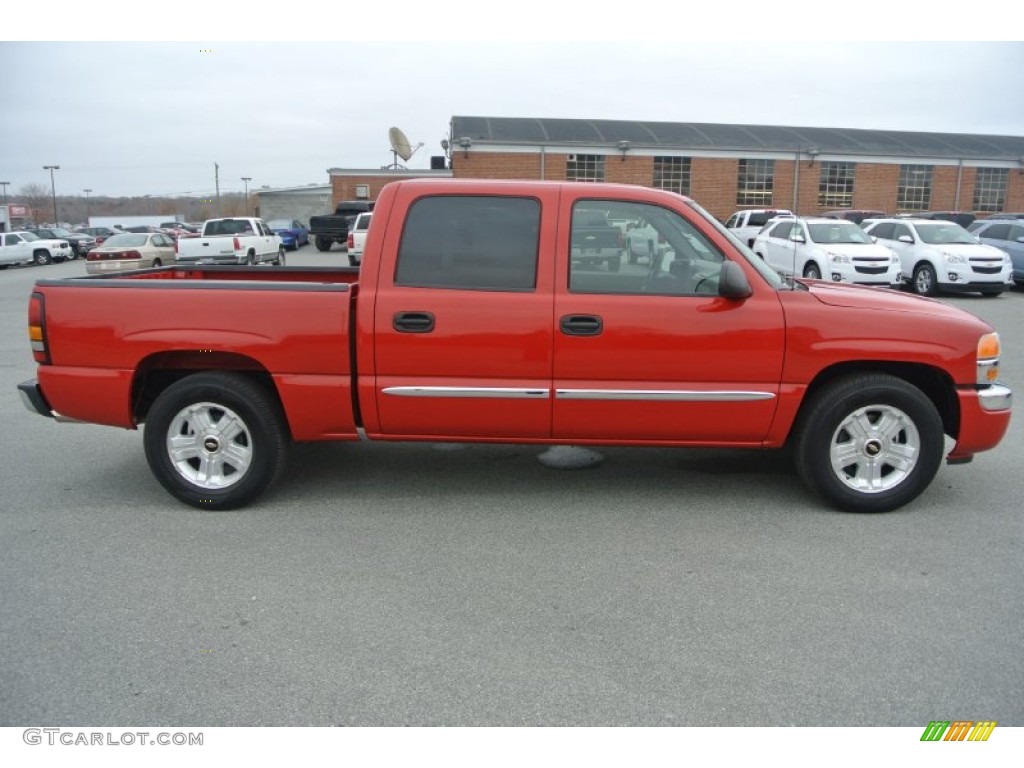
[470, 243]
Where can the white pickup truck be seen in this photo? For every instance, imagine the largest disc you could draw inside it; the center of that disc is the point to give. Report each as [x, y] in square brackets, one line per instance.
[236, 240]
[27, 247]
[357, 238]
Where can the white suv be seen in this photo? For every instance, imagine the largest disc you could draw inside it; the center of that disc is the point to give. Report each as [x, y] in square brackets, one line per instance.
[943, 256]
[746, 224]
[830, 249]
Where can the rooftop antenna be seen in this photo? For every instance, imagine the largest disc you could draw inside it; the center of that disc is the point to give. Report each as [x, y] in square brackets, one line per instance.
[400, 147]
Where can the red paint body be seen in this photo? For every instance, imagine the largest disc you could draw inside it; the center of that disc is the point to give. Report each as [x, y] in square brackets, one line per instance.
[328, 345]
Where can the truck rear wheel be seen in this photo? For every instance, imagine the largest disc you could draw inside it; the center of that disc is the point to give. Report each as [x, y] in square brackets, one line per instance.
[216, 440]
[323, 243]
[869, 442]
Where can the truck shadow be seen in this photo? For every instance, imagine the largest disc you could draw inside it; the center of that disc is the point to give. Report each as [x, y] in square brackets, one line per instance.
[444, 473]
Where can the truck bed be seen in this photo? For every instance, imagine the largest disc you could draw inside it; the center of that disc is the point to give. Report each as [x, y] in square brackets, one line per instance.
[312, 275]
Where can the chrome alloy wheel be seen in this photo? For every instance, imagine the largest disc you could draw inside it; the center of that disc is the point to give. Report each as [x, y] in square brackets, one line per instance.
[209, 445]
[875, 448]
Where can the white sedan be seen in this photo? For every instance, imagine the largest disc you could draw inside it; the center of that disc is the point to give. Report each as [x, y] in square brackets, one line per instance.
[829, 249]
[131, 251]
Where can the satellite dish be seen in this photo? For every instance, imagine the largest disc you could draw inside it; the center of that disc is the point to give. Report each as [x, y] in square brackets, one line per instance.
[399, 143]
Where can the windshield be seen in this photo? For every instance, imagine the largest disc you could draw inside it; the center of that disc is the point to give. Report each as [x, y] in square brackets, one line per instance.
[126, 241]
[944, 234]
[30, 236]
[279, 224]
[60, 232]
[765, 271]
[838, 232]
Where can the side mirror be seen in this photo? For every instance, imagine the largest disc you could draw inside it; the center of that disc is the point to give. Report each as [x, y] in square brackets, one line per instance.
[874, 239]
[798, 239]
[906, 239]
[1020, 239]
[732, 282]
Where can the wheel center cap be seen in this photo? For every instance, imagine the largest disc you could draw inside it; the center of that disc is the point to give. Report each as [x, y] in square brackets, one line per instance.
[872, 447]
[211, 444]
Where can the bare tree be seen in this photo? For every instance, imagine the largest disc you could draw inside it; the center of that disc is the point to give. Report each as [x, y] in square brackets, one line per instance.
[37, 197]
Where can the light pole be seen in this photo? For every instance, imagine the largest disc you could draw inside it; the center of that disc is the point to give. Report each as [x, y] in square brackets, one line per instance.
[53, 191]
[247, 179]
[4, 185]
[87, 191]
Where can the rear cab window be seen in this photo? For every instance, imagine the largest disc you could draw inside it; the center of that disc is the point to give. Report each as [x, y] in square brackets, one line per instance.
[470, 243]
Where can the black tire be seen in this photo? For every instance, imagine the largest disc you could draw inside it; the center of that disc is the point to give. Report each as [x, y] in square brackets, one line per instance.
[353, 261]
[42, 257]
[157, 263]
[323, 243]
[250, 259]
[279, 261]
[247, 462]
[812, 271]
[924, 282]
[887, 430]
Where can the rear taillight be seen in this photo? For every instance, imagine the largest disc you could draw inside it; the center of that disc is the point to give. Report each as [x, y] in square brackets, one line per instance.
[237, 243]
[175, 245]
[126, 255]
[37, 328]
[351, 240]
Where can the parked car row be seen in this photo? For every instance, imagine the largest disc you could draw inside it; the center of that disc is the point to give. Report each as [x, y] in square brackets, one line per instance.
[928, 253]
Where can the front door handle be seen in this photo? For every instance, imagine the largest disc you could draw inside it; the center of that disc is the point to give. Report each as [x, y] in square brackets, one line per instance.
[581, 325]
[413, 322]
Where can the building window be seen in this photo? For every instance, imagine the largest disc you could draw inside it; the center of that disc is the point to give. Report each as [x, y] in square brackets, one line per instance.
[672, 174]
[915, 189]
[990, 189]
[755, 182]
[585, 168]
[835, 185]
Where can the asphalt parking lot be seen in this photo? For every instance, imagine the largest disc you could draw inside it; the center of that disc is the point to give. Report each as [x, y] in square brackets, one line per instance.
[385, 584]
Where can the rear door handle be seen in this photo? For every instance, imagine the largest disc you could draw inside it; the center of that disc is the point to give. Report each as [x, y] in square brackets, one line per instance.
[581, 325]
[413, 322]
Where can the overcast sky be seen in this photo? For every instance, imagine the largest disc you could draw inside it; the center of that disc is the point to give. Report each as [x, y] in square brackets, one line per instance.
[136, 118]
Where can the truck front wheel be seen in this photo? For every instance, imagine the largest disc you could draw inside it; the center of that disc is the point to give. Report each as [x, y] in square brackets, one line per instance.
[869, 442]
[216, 440]
[323, 243]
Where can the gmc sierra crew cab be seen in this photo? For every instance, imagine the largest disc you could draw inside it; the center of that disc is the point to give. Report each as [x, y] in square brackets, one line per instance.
[469, 320]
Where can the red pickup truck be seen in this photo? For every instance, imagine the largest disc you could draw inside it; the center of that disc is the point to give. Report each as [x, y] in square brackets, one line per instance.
[470, 321]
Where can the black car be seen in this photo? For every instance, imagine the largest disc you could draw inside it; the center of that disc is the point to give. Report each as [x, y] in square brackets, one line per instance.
[856, 216]
[962, 218]
[100, 233]
[80, 243]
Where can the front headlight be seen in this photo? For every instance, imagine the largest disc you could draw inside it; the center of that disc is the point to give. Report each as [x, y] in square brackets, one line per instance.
[953, 258]
[837, 258]
[988, 359]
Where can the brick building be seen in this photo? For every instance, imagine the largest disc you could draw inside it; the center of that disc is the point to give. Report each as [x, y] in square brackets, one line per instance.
[730, 167]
